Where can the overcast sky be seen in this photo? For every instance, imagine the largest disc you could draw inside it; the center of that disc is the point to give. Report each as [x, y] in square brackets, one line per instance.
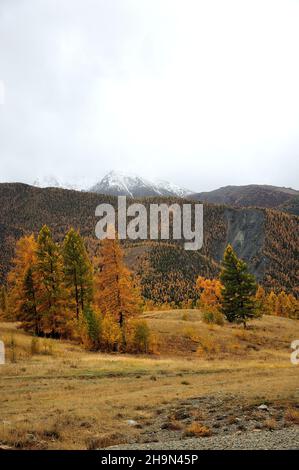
[201, 93]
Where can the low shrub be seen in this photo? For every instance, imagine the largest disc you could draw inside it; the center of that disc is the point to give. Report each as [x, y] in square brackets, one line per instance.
[35, 346]
[208, 345]
[47, 347]
[270, 424]
[111, 337]
[292, 415]
[213, 317]
[191, 333]
[197, 430]
[106, 440]
[141, 336]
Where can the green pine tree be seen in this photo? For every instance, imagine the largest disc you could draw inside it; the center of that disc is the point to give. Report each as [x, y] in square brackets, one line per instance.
[52, 295]
[239, 288]
[78, 273]
[31, 319]
[93, 327]
[3, 302]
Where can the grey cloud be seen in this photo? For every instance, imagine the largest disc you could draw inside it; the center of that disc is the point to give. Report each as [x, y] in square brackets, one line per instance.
[151, 87]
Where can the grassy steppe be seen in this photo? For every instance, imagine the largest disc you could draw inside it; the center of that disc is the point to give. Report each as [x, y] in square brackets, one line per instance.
[65, 397]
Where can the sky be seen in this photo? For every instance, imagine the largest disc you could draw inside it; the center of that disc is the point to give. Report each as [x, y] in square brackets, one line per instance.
[203, 93]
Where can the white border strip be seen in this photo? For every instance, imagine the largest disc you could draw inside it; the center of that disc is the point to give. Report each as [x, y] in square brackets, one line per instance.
[2, 92]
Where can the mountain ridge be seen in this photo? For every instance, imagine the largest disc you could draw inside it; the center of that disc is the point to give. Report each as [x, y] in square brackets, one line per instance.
[266, 239]
[117, 183]
[125, 184]
[252, 195]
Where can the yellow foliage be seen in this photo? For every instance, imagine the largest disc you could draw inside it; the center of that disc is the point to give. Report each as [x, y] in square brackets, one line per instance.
[208, 345]
[25, 258]
[116, 294]
[197, 430]
[111, 336]
[138, 337]
[190, 333]
[210, 293]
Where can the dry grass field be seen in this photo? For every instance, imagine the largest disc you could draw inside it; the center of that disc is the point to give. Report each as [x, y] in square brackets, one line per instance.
[54, 395]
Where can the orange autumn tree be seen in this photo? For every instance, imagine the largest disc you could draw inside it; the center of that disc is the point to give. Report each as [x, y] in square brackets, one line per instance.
[293, 307]
[209, 301]
[263, 306]
[286, 305]
[271, 300]
[23, 265]
[282, 306]
[116, 294]
[210, 292]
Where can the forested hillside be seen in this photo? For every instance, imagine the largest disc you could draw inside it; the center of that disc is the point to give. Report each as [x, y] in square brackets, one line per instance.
[252, 195]
[266, 239]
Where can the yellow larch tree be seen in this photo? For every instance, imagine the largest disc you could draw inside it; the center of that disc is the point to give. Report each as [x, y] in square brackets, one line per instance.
[23, 261]
[210, 292]
[116, 294]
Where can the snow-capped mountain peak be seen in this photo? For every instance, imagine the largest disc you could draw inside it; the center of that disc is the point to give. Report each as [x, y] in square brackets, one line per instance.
[117, 183]
[171, 188]
[47, 182]
[125, 184]
[53, 182]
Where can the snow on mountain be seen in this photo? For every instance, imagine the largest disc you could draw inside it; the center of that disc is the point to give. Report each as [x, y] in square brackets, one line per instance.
[53, 182]
[125, 184]
[118, 184]
[171, 188]
[47, 182]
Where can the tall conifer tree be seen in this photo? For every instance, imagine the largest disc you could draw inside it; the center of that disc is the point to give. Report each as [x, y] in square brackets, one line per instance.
[78, 273]
[3, 302]
[239, 289]
[24, 259]
[52, 296]
[29, 314]
[117, 296]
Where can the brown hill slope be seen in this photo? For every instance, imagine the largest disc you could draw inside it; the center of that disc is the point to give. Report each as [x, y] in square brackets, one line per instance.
[253, 195]
[266, 239]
